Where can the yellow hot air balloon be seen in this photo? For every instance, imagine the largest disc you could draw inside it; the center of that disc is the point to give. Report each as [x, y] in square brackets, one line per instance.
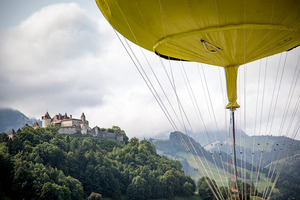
[222, 33]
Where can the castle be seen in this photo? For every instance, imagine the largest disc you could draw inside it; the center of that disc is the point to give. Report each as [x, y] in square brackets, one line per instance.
[69, 125]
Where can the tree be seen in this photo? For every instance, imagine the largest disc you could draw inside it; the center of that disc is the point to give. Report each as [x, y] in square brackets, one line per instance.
[203, 189]
[3, 137]
[138, 189]
[188, 189]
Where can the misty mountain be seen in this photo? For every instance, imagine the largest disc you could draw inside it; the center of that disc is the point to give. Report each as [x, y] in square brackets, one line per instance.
[210, 137]
[14, 119]
[269, 148]
[268, 154]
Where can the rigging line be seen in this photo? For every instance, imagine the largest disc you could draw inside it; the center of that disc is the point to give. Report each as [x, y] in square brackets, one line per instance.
[195, 104]
[291, 122]
[157, 98]
[205, 98]
[201, 117]
[270, 110]
[217, 15]
[258, 171]
[174, 89]
[184, 113]
[277, 176]
[234, 146]
[216, 138]
[186, 78]
[211, 106]
[294, 113]
[260, 143]
[218, 171]
[225, 174]
[132, 33]
[245, 105]
[159, 81]
[264, 84]
[164, 111]
[279, 87]
[276, 101]
[278, 157]
[253, 141]
[145, 75]
[229, 155]
[241, 153]
[286, 110]
[273, 93]
[287, 105]
[185, 116]
[263, 98]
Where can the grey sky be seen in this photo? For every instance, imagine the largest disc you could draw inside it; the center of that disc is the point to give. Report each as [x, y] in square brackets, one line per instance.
[62, 56]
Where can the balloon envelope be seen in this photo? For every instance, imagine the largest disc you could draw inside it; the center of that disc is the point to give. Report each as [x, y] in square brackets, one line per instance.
[219, 32]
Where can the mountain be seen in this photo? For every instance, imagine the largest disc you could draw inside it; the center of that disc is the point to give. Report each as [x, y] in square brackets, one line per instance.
[195, 158]
[14, 119]
[209, 137]
[270, 148]
[268, 151]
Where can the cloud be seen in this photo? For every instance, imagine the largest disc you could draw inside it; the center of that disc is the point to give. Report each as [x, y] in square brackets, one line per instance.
[63, 59]
[53, 60]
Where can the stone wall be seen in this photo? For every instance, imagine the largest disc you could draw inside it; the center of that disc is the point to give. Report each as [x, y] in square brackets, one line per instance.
[68, 130]
[66, 123]
[104, 134]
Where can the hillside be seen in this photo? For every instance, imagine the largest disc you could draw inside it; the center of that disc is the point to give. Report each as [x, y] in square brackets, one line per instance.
[217, 159]
[175, 148]
[43, 164]
[273, 147]
[14, 119]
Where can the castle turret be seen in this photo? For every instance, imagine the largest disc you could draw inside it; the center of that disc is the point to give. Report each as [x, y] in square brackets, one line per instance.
[83, 118]
[46, 120]
[12, 134]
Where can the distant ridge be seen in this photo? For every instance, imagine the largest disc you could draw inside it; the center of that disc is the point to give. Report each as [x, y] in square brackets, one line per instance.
[14, 119]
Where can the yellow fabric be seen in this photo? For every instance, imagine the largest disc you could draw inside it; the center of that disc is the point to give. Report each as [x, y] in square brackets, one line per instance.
[244, 30]
[231, 73]
[175, 28]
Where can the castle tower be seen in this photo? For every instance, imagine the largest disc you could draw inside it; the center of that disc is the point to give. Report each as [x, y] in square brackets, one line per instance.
[46, 120]
[83, 118]
[12, 134]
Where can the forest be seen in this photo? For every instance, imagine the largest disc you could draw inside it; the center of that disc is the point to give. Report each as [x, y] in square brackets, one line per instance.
[43, 164]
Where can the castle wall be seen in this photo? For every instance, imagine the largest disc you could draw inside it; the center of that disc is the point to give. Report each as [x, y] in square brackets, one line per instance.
[76, 122]
[103, 134]
[68, 130]
[66, 123]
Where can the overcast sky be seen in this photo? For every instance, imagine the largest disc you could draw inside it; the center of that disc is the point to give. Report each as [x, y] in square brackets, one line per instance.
[63, 57]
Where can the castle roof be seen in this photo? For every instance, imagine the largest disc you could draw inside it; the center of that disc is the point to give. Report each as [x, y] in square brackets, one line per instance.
[35, 124]
[47, 116]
